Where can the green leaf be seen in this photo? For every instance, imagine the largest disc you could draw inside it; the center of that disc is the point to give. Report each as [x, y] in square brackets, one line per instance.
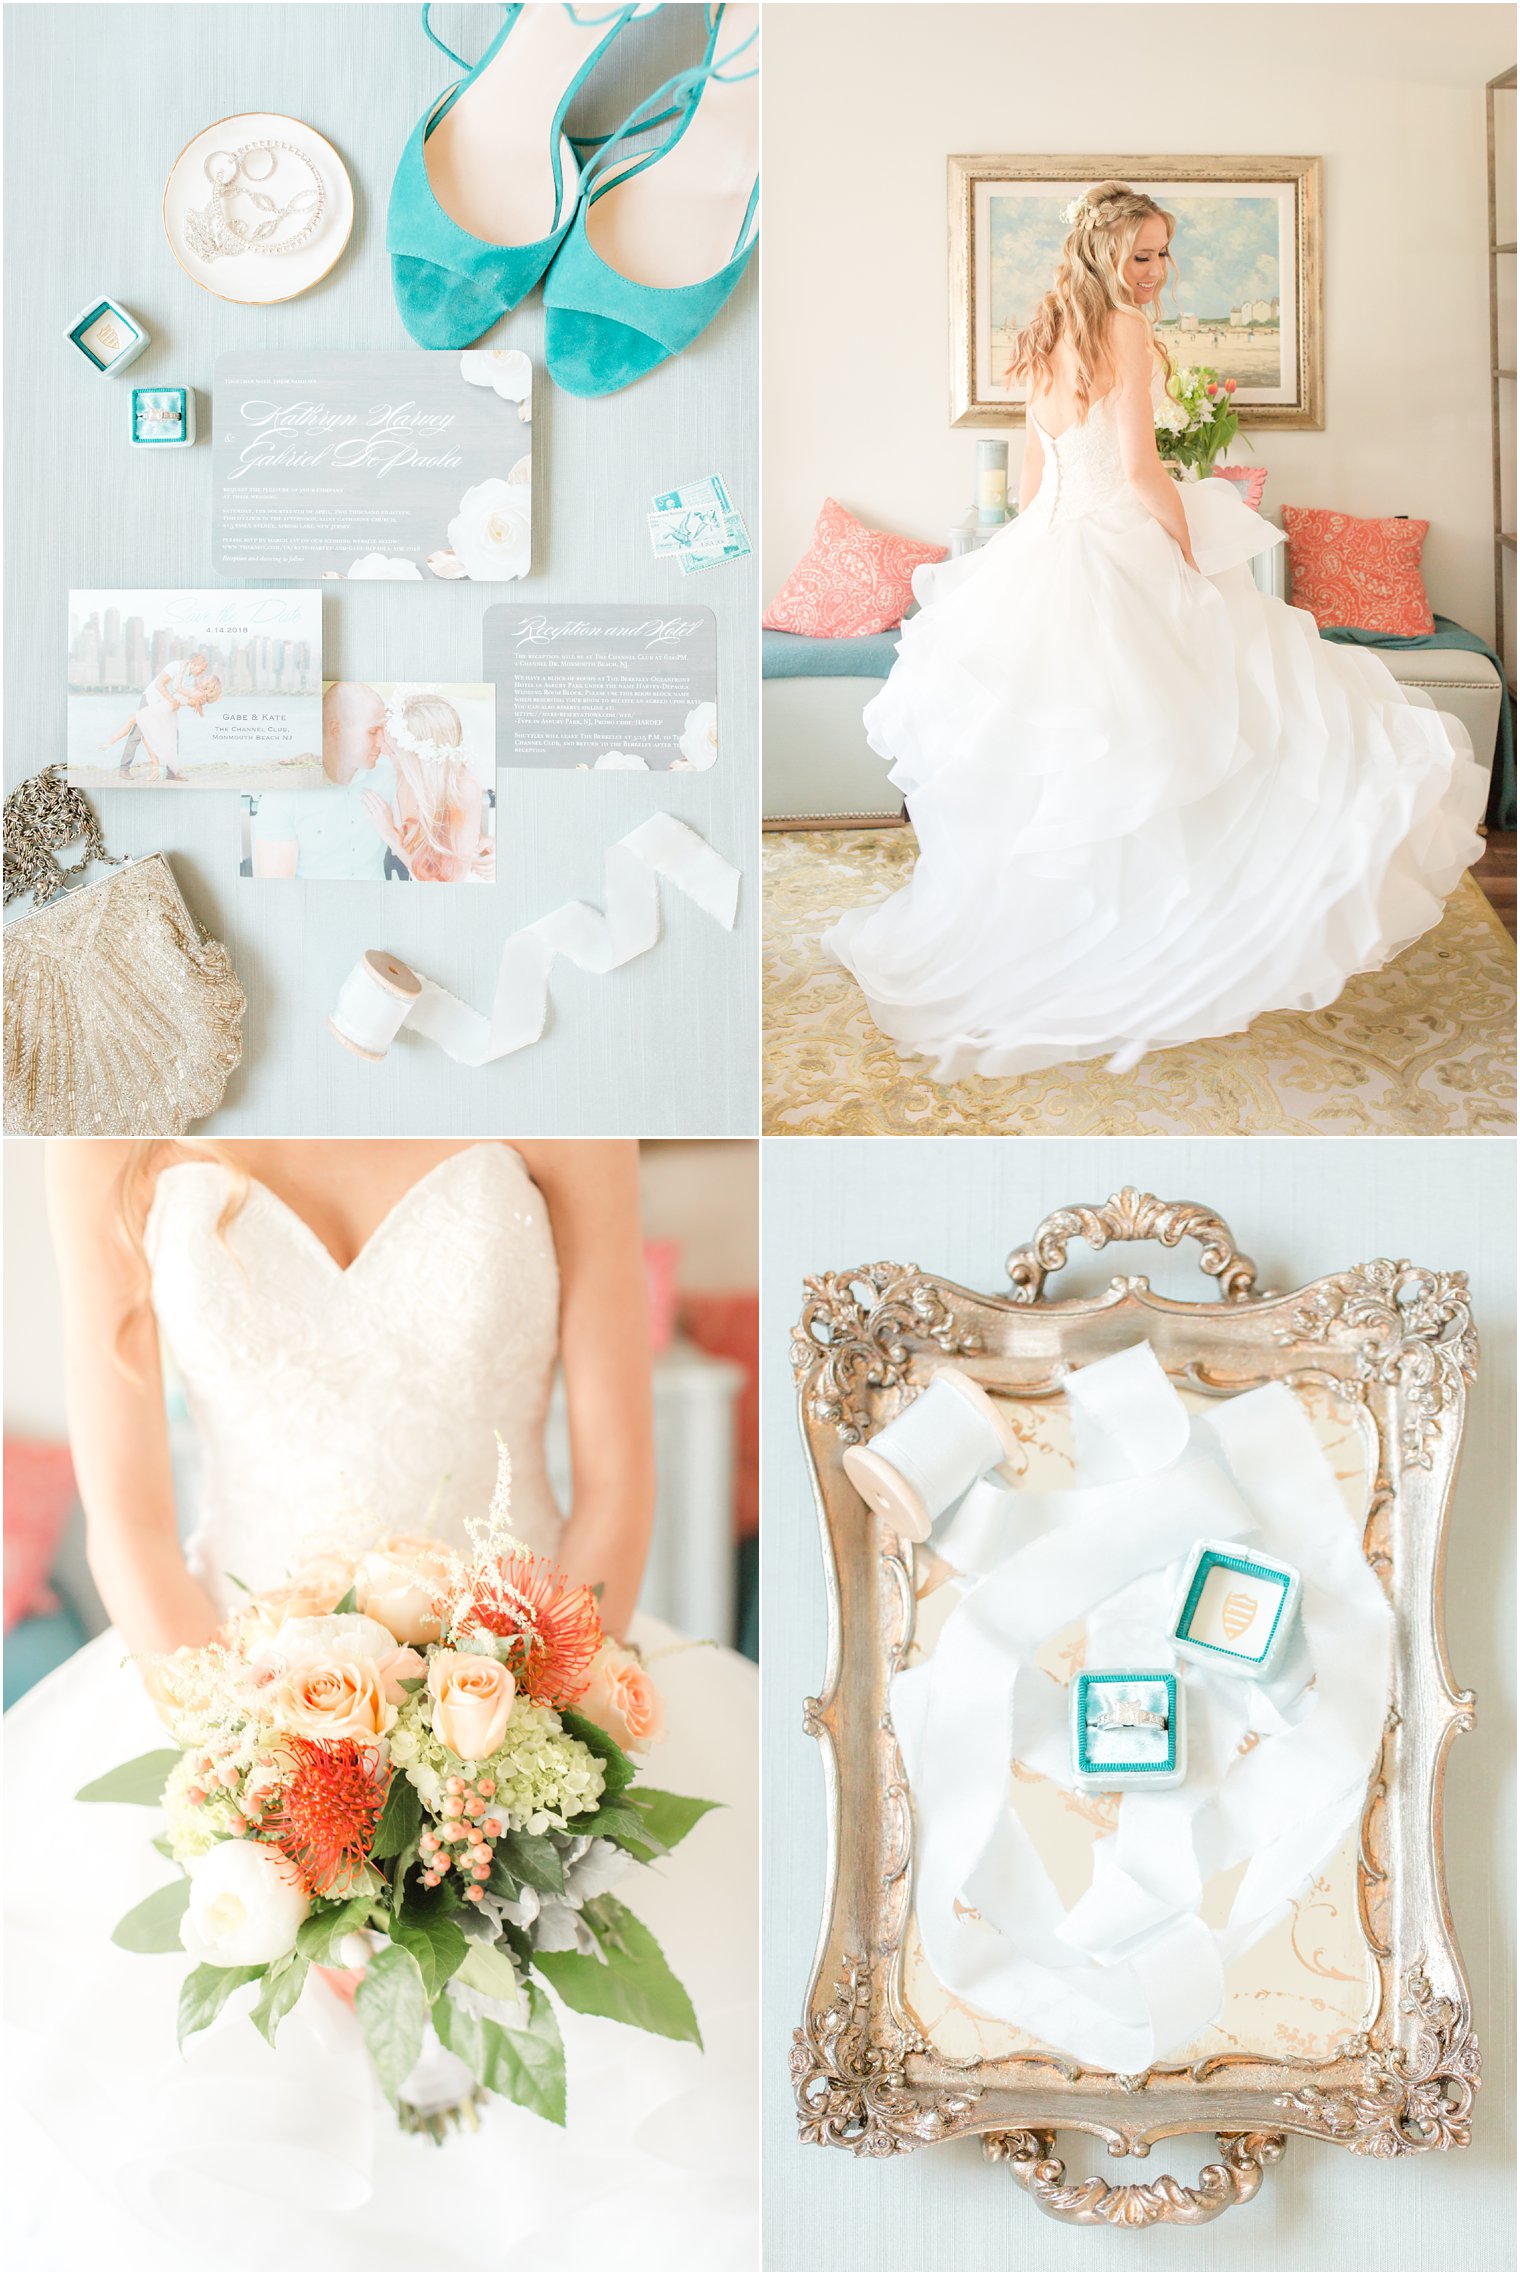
[320, 1933]
[400, 1820]
[141, 1781]
[400, 1866]
[489, 1970]
[668, 1817]
[616, 1821]
[205, 1991]
[153, 1925]
[350, 1603]
[237, 1583]
[527, 2065]
[619, 1771]
[535, 1860]
[434, 1941]
[392, 2010]
[283, 1985]
[632, 1984]
[164, 1845]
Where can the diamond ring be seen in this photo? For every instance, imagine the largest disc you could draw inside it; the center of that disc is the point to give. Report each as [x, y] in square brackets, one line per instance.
[1128, 1717]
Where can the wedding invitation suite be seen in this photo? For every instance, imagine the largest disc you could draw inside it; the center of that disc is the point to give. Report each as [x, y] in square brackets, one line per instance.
[400, 467]
[195, 690]
[604, 687]
[408, 792]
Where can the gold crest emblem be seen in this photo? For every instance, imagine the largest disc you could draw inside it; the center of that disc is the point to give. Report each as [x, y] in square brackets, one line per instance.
[1236, 1613]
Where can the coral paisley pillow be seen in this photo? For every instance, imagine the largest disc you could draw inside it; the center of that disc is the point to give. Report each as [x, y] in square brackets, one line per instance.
[39, 1499]
[1364, 574]
[851, 580]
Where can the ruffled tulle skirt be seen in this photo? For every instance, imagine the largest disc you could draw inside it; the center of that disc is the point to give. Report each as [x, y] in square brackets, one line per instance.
[1151, 803]
[123, 2154]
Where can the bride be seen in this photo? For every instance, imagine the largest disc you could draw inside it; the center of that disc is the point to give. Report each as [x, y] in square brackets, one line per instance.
[1151, 804]
[353, 1322]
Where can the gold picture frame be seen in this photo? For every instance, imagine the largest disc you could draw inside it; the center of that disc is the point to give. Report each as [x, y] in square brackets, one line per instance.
[1003, 237]
[1389, 1343]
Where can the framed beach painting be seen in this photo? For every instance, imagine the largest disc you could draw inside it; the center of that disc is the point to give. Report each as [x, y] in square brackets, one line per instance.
[1246, 296]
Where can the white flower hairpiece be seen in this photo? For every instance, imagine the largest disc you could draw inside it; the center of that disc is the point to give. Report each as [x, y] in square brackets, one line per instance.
[1078, 210]
[401, 734]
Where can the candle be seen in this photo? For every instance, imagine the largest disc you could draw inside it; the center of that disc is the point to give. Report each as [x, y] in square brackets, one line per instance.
[991, 484]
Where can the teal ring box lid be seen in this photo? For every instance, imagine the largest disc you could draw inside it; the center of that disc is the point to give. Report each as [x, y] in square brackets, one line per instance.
[1235, 1607]
[107, 336]
[1114, 1760]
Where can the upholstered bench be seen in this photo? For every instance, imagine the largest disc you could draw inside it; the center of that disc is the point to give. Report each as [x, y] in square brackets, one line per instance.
[820, 772]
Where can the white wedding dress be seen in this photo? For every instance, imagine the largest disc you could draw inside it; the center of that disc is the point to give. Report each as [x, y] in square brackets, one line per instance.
[358, 1398]
[1151, 803]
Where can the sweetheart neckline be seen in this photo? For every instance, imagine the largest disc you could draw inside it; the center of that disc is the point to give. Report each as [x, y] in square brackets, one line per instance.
[396, 1209]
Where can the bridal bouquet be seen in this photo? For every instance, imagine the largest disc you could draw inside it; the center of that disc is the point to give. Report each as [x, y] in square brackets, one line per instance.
[1196, 419]
[412, 1771]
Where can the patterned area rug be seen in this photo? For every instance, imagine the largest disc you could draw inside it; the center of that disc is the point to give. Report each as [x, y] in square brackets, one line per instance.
[1426, 1046]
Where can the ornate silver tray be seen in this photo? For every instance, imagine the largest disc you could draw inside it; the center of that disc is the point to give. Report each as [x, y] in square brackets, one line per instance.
[1382, 1354]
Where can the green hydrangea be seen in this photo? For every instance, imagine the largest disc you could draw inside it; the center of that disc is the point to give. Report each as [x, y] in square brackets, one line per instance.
[193, 1827]
[543, 1776]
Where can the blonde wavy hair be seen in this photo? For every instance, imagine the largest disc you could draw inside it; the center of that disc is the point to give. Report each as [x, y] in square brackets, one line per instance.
[439, 843]
[1089, 286]
[134, 1198]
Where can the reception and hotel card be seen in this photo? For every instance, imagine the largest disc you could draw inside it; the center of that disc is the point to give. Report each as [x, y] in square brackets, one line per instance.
[400, 467]
[604, 687]
[195, 690]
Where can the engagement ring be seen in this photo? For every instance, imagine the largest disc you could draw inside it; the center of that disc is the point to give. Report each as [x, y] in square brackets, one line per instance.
[1125, 1717]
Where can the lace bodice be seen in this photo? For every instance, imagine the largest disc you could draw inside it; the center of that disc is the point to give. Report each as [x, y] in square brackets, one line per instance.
[1082, 464]
[358, 1401]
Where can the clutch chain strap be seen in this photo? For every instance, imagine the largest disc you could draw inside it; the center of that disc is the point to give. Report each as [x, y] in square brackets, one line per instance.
[43, 814]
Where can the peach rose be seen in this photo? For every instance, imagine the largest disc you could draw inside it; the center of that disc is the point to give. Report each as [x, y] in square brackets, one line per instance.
[623, 1701]
[333, 1698]
[472, 1702]
[398, 1582]
[319, 1586]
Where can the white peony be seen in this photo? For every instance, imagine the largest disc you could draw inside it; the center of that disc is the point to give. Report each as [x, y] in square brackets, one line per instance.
[699, 737]
[245, 1906]
[386, 568]
[492, 533]
[628, 760]
[508, 370]
[335, 1635]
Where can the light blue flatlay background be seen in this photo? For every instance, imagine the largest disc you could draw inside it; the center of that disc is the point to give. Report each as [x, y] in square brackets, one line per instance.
[1301, 1207]
[99, 101]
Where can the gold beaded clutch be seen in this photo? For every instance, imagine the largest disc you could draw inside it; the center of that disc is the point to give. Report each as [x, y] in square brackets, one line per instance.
[122, 1019]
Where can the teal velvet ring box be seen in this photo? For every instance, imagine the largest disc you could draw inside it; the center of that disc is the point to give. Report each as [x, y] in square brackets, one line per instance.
[1234, 1608]
[1128, 1728]
[163, 418]
[106, 336]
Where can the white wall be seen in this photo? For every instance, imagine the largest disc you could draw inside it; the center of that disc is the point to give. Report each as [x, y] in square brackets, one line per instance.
[863, 104]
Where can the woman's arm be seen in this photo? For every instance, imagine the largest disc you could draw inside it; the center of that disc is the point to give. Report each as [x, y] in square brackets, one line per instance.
[1031, 467]
[592, 1192]
[1130, 346]
[117, 1429]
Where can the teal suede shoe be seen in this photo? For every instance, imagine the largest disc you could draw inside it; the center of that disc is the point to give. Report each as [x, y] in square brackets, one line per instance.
[662, 236]
[489, 182]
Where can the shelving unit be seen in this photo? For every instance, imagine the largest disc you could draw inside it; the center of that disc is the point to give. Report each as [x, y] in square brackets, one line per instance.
[1501, 339]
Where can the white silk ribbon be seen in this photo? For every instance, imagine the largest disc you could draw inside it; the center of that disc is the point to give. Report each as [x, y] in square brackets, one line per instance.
[1130, 1972]
[369, 1016]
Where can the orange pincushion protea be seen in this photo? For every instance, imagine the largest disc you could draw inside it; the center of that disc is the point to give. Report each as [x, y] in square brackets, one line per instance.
[554, 1628]
[328, 1811]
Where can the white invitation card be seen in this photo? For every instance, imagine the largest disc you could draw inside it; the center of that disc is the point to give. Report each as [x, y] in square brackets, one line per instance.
[402, 467]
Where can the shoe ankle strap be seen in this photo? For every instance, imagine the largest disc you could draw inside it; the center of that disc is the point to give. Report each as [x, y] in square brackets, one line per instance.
[586, 23]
